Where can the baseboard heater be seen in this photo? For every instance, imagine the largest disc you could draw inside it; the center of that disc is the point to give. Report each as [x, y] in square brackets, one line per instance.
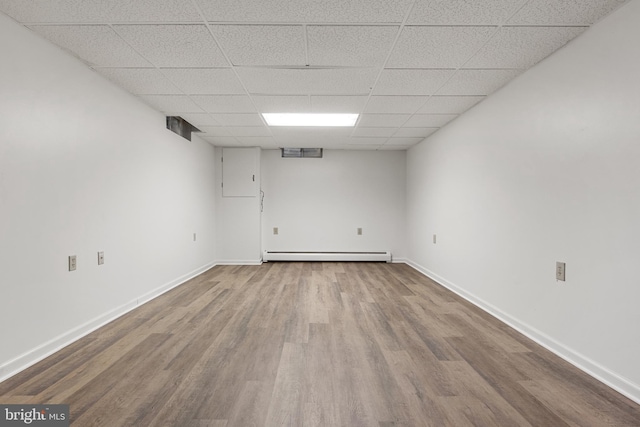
[384, 256]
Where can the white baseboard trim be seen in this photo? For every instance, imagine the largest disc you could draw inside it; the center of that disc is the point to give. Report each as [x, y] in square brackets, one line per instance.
[46, 349]
[617, 382]
[400, 261]
[239, 262]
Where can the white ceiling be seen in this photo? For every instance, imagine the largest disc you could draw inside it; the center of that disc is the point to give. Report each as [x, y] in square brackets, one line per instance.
[408, 67]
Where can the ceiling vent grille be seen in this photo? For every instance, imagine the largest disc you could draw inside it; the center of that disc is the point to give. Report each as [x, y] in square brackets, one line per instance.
[181, 127]
[311, 153]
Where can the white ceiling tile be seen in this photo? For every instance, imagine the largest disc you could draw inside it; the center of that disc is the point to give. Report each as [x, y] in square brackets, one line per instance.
[200, 119]
[97, 45]
[366, 140]
[373, 132]
[429, 120]
[463, 12]
[414, 132]
[362, 147]
[307, 81]
[206, 81]
[282, 104]
[307, 11]
[250, 11]
[141, 80]
[522, 47]
[411, 82]
[223, 141]
[172, 104]
[337, 104]
[224, 103]
[449, 104]
[563, 12]
[93, 11]
[246, 144]
[358, 10]
[382, 120]
[262, 44]
[215, 131]
[477, 82]
[404, 141]
[312, 134]
[174, 45]
[161, 49]
[239, 119]
[437, 47]
[147, 10]
[349, 46]
[395, 104]
[333, 143]
[257, 141]
[251, 131]
[396, 147]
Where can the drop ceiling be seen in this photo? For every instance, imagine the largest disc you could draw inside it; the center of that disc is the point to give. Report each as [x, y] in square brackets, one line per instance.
[408, 67]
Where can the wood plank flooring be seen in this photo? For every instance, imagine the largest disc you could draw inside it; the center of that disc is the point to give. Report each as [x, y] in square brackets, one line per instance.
[315, 344]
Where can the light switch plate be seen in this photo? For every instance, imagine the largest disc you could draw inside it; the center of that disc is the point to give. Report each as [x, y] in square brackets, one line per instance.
[275, 230]
[359, 231]
[100, 258]
[72, 263]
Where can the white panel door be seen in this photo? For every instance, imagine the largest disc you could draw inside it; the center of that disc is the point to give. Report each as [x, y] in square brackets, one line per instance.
[239, 166]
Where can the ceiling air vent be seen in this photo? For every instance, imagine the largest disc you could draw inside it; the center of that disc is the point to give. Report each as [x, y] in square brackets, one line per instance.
[313, 153]
[180, 126]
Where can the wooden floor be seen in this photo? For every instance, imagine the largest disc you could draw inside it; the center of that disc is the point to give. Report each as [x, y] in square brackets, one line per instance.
[315, 344]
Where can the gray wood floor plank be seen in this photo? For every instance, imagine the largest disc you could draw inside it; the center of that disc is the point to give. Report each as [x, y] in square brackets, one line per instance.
[315, 344]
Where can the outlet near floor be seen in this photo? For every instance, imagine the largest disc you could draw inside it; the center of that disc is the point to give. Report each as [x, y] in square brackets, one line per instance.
[560, 271]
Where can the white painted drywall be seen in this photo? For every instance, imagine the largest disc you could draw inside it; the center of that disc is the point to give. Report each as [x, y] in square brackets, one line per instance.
[318, 204]
[545, 170]
[237, 220]
[86, 167]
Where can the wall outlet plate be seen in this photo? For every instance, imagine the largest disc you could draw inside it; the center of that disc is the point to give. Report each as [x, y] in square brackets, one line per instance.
[100, 258]
[72, 263]
[359, 231]
[560, 271]
[434, 239]
[275, 230]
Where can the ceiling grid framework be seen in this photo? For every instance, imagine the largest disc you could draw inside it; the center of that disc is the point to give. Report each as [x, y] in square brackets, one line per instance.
[408, 67]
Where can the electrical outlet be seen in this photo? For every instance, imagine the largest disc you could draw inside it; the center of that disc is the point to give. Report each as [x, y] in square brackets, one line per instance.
[275, 230]
[100, 258]
[72, 263]
[194, 237]
[434, 239]
[560, 271]
[359, 231]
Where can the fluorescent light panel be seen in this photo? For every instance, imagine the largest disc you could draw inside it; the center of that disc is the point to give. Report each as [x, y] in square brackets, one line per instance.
[310, 119]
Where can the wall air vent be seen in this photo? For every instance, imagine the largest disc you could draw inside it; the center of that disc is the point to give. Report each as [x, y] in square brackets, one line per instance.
[312, 153]
[180, 126]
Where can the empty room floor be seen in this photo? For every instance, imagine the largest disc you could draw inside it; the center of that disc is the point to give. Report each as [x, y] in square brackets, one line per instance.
[315, 344]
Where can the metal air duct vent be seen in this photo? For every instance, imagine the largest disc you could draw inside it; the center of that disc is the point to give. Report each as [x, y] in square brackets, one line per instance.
[180, 126]
[314, 153]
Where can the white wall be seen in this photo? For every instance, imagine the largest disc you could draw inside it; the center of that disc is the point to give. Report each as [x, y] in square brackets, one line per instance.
[318, 204]
[85, 167]
[546, 170]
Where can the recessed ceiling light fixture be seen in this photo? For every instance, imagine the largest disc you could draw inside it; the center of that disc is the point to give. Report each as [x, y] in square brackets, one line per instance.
[310, 119]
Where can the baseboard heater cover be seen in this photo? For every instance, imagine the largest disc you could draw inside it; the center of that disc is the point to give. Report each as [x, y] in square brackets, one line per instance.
[382, 256]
